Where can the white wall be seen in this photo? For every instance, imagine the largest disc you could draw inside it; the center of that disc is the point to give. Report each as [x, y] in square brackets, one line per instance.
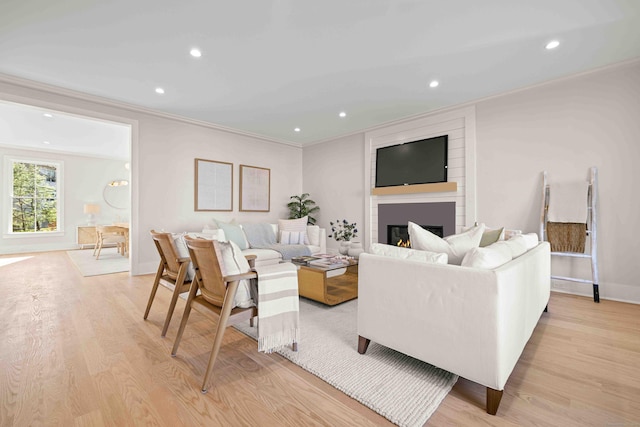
[333, 174]
[563, 127]
[162, 166]
[84, 179]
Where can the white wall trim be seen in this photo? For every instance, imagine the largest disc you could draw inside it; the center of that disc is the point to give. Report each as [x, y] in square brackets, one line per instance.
[31, 84]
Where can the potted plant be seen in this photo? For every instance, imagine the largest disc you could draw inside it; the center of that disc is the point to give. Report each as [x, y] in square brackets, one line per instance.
[343, 231]
[301, 206]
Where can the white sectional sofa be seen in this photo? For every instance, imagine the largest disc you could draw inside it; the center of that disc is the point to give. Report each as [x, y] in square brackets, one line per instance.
[317, 242]
[473, 322]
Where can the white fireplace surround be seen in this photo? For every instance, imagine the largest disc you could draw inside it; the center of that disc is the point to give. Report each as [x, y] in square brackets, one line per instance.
[460, 125]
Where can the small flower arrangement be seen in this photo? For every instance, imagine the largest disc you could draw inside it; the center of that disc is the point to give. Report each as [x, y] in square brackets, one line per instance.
[343, 230]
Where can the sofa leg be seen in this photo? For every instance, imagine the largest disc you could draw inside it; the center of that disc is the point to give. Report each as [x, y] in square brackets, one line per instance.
[546, 308]
[363, 344]
[493, 400]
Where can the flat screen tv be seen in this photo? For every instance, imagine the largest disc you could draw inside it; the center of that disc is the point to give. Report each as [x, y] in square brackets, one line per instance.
[417, 162]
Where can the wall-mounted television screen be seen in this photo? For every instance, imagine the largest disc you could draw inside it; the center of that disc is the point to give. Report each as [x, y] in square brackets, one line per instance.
[417, 162]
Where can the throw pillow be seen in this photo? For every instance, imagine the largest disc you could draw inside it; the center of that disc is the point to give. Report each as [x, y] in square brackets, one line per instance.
[455, 246]
[299, 225]
[406, 253]
[233, 262]
[292, 237]
[489, 257]
[491, 236]
[183, 252]
[313, 234]
[234, 233]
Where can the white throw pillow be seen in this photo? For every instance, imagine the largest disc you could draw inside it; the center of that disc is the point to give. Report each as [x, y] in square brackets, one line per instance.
[517, 244]
[183, 252]
[455, 246]
[233, 262]
[406, 253]
[531, 240]
[489, 257]
[313, 234]
[292, 237]
[299, 225]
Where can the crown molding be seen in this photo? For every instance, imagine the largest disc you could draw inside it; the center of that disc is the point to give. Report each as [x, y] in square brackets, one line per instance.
[57, 90]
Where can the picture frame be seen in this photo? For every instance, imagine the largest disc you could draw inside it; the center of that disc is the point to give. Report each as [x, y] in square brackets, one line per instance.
[213, 185]
[255, 189]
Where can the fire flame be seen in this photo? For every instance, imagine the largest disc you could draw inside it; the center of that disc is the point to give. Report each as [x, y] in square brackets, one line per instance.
[404, 244]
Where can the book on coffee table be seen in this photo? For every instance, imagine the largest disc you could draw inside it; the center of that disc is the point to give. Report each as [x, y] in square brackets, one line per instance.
[303, 260]
[329, 263]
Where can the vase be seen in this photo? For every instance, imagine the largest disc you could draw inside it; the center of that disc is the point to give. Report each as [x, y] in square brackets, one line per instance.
[344, 248]
[355, 249]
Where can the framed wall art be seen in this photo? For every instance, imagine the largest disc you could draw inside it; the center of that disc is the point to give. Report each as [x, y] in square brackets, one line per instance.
[255, 189]
[213, 185]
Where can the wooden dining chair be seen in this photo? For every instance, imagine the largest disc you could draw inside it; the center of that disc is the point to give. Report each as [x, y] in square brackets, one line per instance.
[110, 234]
[172, 274]
[217, 293]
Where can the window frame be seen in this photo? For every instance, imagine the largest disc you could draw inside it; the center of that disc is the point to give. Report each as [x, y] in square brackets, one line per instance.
[7, 213]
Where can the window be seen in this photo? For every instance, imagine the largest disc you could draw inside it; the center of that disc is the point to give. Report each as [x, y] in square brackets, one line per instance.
[34, 196]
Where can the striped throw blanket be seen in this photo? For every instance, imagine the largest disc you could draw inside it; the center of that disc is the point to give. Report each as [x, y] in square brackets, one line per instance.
[278, 306]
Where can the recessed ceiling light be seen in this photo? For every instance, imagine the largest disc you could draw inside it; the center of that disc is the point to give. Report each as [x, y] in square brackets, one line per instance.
[552, 44]
[434, 83]
[297, 129]
[48, 115]
[342, 114]
[160, 90]
[195, 52]
[46, 142]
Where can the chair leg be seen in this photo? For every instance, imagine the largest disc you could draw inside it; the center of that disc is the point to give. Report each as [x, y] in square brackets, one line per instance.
[183, 323]
[99, 249]
[174, 299]
[222, 325]
[154, 289]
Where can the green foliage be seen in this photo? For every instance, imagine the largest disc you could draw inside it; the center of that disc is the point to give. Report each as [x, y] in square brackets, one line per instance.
[301, 206]
[343, 230]
[35, 204]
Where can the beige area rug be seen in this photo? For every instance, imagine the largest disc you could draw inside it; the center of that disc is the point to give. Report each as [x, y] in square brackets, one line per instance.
[404, 390]
[110, 261]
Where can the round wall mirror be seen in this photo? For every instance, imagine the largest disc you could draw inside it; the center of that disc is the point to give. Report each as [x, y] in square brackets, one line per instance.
[116, 194]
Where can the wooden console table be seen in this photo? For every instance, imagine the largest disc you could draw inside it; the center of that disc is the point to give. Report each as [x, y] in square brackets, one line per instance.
[329, 287]
[86, 235]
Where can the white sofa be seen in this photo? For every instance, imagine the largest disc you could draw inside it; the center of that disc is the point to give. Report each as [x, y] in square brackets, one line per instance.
[469, 321]
[317, 244]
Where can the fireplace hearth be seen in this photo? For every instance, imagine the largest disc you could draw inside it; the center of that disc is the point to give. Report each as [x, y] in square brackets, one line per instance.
[398, 235]
[437, 217]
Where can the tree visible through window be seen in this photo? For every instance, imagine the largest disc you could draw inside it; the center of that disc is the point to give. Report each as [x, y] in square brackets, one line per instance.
[34, 197]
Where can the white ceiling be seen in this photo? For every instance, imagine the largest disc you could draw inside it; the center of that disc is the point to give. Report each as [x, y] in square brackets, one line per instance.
[269, 66]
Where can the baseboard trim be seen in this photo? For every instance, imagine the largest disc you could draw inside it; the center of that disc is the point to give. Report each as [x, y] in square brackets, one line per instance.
[609, 291]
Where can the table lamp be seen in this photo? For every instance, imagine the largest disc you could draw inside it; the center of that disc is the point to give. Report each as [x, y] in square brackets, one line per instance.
[91, 210]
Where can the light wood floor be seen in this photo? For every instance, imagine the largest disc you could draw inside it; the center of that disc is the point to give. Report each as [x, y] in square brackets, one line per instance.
[75, 351]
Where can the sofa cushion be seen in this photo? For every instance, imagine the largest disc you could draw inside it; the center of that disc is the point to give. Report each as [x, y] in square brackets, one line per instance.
[299, 225]
[491, 236]
[517, 244]
[531, 240]
[455, 246]
[234, 233]
[406, 253]
[489, 257]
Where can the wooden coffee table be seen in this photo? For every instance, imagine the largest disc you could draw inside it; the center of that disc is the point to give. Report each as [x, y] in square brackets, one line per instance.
[329, 286]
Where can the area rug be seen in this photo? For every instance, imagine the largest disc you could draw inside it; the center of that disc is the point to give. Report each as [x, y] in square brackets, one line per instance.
[402, 389]
[110, 261]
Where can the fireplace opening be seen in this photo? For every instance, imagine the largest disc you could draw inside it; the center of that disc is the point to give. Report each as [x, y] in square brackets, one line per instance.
[398, 235]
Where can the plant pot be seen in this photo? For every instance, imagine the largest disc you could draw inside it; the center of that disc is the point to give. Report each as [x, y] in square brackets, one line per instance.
[355, 249]
[344, 248]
